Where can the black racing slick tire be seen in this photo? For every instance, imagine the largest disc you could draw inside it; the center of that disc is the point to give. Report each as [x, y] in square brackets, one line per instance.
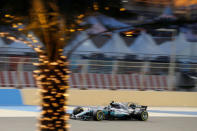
[77, 110]
[143, 116]
[98, 115]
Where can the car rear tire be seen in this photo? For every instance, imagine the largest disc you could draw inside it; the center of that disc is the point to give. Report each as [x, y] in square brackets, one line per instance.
[143, 116]
[77, 110]
[98, 115]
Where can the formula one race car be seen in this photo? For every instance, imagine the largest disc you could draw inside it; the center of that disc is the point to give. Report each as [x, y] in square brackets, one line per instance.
[114, 111]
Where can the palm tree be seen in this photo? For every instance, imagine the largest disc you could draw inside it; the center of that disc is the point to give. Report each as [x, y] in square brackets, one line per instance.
[53, 22]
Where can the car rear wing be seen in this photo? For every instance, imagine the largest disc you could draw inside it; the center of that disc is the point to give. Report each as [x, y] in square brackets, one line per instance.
[144, 107]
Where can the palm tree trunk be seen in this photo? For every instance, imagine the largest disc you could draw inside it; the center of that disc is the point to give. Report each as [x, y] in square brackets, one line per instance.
[52, 78]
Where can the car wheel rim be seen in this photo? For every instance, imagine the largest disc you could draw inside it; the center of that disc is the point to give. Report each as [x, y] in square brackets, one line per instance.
[100, 116]
[144, 116]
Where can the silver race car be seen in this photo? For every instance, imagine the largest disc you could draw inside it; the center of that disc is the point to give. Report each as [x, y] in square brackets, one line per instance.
[114, 111]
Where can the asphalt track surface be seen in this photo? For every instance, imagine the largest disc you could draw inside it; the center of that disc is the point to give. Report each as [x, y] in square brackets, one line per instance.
[153, 124]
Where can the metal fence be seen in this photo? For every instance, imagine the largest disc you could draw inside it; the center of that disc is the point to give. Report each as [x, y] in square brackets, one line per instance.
[101, 74]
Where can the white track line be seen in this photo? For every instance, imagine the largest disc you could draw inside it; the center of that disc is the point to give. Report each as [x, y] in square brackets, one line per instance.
[11, 113]
[152, 112]
[173, 108]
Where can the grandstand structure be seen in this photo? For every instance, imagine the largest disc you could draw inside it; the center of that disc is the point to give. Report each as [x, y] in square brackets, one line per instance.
[176, 3]
[153, 8]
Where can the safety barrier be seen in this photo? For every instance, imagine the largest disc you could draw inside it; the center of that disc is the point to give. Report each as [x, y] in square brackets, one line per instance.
[103, 97]
[119, 81]
[17, 79]
[16, 97]
[10, 97]
[92, 81]
[105, 74]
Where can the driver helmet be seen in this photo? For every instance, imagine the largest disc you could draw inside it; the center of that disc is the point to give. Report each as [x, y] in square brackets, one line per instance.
[112, 103]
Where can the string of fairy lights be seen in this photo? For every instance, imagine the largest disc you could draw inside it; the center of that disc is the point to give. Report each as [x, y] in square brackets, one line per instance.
[32, 43]
[53, 81]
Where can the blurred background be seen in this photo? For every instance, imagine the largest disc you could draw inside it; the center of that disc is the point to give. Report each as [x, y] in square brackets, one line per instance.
[153, 50]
